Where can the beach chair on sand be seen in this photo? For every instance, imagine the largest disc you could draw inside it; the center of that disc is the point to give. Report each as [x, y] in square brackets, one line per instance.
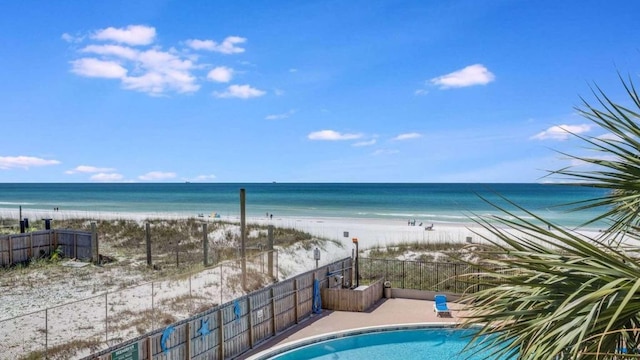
[440, 305]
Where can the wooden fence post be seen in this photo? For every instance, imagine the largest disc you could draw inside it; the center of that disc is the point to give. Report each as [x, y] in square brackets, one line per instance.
[295, 298]
[243, 238]
[30, 251]
[187, 352]
[148, 239]
[270, 250]
[149, 348]
[10, 251]
[221, 332]
[95, 253]
[249, 310]
[205, 244]
[273, 312]
[75, 245]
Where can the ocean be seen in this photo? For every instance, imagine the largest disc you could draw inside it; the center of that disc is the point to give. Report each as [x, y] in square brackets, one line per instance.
[428, 203]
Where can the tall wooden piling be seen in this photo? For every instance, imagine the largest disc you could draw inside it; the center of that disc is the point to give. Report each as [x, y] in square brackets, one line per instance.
[243, 239]
[148, 240]
[205, 244]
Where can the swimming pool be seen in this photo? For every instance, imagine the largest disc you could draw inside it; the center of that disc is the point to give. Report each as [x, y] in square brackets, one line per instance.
[423, 341]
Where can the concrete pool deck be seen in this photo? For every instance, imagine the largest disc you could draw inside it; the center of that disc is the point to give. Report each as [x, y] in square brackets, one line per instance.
[385, 312]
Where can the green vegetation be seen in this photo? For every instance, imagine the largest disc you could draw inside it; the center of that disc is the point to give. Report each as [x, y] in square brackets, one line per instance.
[565, 295]
[56, 255]
[12, 226]
[125, 243]
[64, 351]
[176, 244]
[447, 251]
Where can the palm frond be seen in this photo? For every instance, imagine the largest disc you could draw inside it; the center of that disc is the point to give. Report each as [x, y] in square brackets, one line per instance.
[555, 293]
[616, 165]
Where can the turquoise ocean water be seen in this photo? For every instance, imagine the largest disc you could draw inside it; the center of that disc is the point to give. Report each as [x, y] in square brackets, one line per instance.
[431, 203]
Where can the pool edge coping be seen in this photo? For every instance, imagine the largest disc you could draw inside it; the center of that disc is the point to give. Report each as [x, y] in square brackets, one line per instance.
[282, 348]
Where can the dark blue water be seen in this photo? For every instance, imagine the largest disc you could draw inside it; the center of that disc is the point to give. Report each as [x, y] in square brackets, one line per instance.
[433, 202]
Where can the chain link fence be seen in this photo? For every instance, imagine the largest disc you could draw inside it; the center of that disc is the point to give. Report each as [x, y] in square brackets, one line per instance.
[81, 327]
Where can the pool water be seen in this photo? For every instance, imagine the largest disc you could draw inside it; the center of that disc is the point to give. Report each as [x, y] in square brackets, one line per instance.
[426, 343]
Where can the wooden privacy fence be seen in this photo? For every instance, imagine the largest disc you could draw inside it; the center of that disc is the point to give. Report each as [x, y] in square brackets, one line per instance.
[352, 300]
[19, 248]
[231, 329]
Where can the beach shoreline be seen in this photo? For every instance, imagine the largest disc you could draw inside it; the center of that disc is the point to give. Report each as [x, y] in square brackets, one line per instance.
[371, 232]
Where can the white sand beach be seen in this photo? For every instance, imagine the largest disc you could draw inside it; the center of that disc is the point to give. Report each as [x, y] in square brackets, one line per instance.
[86, 286]
[370, 232]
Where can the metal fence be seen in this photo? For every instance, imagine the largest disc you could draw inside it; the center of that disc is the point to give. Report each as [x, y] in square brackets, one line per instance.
[229, 330]
[110, 318]
[419, 275]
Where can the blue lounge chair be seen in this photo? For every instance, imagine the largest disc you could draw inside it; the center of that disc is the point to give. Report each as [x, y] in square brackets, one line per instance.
[440, 305]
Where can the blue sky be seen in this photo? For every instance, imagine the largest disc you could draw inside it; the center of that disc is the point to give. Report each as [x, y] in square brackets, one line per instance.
[303, 91]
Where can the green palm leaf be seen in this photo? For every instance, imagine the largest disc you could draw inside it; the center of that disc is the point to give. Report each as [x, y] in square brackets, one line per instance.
[556, 293]
[553, 293]
[616, 165]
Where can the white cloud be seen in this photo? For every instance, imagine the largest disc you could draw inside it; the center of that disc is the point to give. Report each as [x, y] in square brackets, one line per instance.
[71, 39]
[153, 70]
[240, 91]
[332, 135]
[132, 35]
[91, 67]
[220, 74]
[157, 175]
[106, 177]
[420, 92]
[385, 152]
[162, 60]
[609, 136]
[365, 143]
[124, 52]
[201, 44]
[293, 70]
[204, 177]
[24, 162]
[228, 45]
[407, 136]
[151, 82]
[88, 169]
[561, 132]
[280, 116]
[469, 76]
[162, 71]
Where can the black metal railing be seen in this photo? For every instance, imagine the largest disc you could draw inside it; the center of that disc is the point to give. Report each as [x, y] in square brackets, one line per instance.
[457, 278]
